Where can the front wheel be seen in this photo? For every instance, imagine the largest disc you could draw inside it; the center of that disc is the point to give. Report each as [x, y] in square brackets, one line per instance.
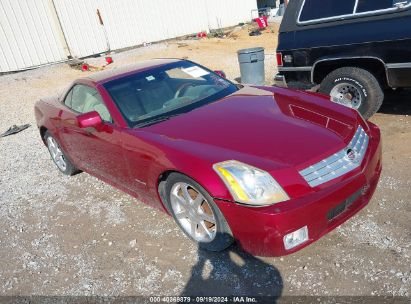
[196, 214]
[354, 88]
[58, 156]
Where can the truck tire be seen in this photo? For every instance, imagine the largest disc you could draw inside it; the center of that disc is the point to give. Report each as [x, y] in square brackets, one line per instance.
[355, 88]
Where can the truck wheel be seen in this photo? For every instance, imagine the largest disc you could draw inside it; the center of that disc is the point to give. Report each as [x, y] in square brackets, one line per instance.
[354, 88]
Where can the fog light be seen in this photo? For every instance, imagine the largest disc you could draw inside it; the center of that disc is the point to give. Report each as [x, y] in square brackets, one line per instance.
[296, 238]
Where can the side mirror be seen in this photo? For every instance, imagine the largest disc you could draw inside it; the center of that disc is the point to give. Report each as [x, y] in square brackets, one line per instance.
[220, 73]
[89, 120]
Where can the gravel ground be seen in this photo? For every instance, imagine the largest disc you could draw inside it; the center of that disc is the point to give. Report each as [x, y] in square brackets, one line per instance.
[79, 236]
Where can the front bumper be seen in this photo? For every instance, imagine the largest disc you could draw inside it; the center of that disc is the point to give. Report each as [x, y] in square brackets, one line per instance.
[260, 231]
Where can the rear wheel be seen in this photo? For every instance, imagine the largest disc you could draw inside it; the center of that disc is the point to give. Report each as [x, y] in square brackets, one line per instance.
[196, 214]
[58, 156]
[354, 88]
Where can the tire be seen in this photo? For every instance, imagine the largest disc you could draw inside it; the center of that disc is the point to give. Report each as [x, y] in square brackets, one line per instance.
[63, 163]
[221, 233]
[363, 89]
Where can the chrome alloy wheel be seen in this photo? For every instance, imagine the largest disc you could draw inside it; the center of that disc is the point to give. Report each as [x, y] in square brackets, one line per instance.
[347, 95]
[56, 153]
[193, 212]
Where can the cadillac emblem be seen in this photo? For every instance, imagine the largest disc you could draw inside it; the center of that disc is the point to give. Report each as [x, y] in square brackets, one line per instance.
[351, 155]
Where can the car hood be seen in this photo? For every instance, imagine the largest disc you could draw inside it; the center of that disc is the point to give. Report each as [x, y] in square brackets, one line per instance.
[288, 128]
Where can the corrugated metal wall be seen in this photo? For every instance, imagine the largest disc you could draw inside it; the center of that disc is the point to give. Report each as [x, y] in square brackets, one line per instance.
[142, 21]
[30, 32]
[133, 22]
[229, 12]
[29, 35]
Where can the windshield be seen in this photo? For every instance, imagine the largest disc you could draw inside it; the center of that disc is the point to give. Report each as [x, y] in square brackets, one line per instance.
[166, 91]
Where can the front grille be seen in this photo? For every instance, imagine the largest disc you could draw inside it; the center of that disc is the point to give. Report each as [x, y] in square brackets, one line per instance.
[339, 163]
[336, 211]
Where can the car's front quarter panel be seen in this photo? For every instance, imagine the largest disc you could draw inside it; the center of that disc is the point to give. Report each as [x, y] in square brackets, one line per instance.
[149, 156]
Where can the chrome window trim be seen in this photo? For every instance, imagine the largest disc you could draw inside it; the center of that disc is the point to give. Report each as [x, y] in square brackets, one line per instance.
[338, 164]
[353, 15]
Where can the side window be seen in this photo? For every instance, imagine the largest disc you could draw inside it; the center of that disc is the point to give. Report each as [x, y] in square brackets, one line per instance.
[84, 99]
[67, 100]
[318, 9]
[373, 5]
[313, 10]
[79, 97]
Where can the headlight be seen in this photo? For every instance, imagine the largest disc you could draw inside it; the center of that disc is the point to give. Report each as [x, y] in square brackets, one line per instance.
[249, 185]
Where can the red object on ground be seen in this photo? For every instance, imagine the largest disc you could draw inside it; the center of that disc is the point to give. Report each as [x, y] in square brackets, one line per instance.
[281, 131]
[262, 22]
[109, 60]
[201, 35]
[85, 67]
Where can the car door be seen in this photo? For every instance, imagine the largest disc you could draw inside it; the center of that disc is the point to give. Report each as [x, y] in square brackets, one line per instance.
[97, 150]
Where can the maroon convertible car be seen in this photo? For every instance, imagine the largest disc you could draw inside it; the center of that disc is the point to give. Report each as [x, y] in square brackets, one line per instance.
[274, 169]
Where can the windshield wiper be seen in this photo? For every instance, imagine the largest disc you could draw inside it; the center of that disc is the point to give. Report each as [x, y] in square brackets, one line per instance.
[154, 121]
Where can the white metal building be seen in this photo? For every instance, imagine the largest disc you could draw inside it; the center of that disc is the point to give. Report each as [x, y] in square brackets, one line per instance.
[37, 32]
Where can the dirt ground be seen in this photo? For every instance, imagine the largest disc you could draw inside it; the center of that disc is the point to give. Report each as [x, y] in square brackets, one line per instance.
[79, 236]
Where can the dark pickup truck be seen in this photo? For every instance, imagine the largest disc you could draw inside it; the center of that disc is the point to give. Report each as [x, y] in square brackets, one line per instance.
[352, 49]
